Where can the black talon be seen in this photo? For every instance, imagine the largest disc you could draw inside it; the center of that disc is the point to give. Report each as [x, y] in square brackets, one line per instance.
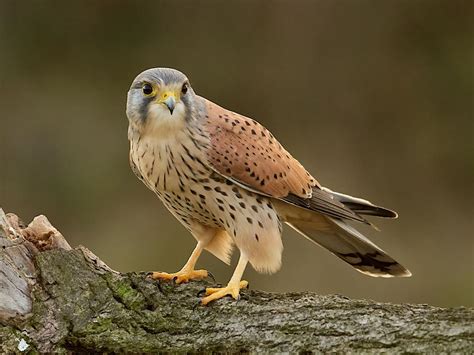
[209, 274]
[200, 293]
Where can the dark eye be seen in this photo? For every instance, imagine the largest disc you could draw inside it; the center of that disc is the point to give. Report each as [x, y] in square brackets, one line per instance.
[184, 89]
[147, 89]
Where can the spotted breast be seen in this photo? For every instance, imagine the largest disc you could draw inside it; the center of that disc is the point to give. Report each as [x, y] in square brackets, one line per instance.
[178, 169]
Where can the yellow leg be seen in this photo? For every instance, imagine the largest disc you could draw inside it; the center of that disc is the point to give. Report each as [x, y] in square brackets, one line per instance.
[232, 288]
[187, 272]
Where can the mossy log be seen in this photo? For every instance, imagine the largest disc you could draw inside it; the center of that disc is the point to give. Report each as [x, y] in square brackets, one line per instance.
[57, 299]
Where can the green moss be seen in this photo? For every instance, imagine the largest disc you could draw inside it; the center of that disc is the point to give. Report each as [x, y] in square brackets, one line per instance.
[124, 293]
[98, 326]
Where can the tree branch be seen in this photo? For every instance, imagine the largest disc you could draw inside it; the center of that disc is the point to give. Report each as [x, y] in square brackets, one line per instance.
[55, 298]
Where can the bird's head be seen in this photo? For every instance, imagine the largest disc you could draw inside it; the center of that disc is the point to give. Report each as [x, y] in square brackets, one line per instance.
[159, 98]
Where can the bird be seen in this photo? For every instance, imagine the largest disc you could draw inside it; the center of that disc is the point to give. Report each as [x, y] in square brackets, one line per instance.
[230, 183]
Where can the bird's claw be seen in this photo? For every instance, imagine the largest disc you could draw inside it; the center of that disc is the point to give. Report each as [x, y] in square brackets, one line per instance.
[233, 290]
[180, 276]
[204, 290]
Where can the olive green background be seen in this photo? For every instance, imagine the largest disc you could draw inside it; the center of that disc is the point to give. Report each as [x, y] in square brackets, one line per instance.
[373, 97]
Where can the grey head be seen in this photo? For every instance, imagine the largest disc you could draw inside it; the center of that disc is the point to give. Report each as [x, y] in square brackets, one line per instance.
[159, 96]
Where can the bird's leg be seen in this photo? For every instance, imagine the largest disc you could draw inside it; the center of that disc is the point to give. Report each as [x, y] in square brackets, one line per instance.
[232, 288]
[187, 272]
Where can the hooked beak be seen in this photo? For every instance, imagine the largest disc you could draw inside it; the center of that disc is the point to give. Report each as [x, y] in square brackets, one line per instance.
[169, 99]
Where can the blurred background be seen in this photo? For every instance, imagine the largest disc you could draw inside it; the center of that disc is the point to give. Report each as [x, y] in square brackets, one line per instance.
[375, 98]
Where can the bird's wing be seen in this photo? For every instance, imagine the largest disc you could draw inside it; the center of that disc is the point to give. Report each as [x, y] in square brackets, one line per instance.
[246, 152]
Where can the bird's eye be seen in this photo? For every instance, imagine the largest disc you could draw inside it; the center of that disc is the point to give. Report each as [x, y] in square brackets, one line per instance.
[184, 89]
[147, 89]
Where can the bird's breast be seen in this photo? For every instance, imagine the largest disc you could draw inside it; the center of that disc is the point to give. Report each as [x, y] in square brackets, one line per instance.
[168, 165]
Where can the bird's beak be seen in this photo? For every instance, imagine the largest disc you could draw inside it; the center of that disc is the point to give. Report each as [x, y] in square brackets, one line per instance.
[169, 99]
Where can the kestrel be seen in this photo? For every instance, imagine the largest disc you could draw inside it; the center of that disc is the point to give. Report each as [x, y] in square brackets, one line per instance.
[228, 180]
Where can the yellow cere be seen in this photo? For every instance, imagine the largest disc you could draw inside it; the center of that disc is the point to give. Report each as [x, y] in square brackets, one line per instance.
[168, 94]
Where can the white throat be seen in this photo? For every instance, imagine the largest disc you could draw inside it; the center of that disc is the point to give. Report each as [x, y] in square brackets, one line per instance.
[161, 123]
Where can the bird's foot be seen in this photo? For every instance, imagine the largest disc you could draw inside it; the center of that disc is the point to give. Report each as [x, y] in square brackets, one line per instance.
[217, 293]
[182, 276]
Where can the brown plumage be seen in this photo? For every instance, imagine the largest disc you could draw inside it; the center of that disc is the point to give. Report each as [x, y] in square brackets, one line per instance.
[229, 181]
[245, 151]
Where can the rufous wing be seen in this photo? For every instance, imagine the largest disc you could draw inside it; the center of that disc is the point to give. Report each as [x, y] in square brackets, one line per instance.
[245, 151]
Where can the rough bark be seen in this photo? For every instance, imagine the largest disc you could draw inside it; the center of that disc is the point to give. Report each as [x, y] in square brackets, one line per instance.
[55, 298]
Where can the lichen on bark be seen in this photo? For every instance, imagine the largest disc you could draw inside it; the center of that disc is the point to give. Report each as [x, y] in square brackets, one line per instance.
[80, 304]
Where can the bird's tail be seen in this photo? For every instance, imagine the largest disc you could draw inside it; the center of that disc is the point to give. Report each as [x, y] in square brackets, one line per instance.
[361, 206]
[342, 240]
